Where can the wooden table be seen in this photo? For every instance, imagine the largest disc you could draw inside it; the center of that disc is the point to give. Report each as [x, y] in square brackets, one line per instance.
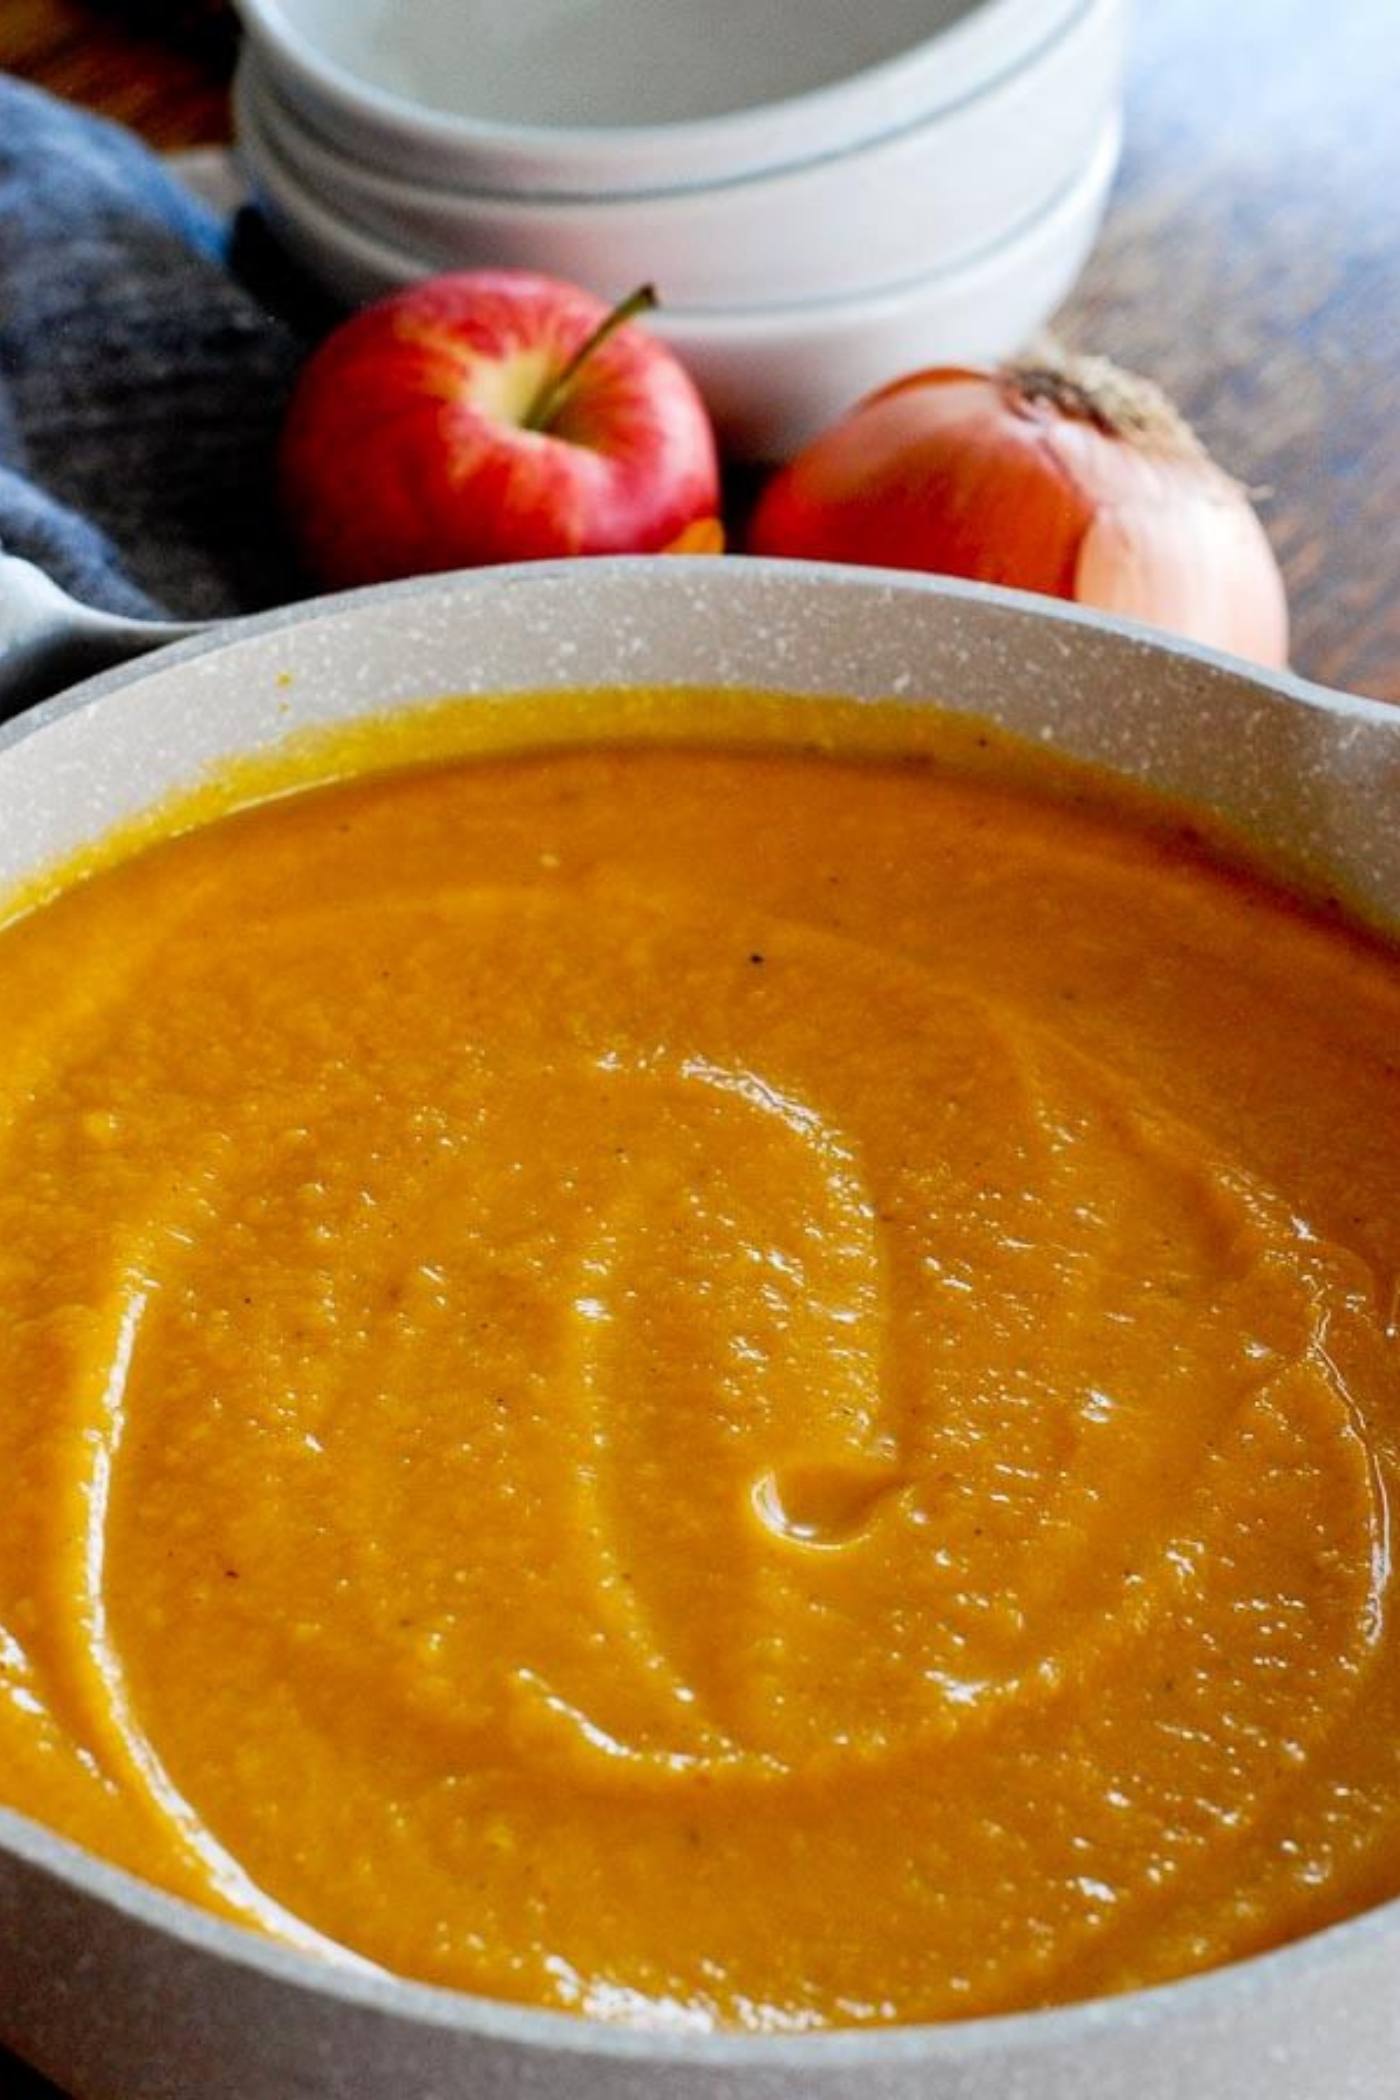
[1251, 262]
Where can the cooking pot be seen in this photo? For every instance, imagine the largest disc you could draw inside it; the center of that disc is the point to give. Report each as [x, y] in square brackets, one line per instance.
[122, 1993]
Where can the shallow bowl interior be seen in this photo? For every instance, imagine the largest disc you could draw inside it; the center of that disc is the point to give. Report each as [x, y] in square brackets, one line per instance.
[614, 62]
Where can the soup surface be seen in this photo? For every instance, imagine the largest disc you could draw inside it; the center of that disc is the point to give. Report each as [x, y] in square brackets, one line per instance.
[731, 1386]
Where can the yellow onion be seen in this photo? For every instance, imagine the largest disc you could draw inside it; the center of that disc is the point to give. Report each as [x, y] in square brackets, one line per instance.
[1066, 476]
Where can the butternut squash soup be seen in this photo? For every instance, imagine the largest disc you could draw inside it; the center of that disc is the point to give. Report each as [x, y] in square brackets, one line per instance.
[742, 1385]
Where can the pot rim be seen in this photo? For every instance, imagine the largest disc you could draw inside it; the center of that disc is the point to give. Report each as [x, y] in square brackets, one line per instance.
[742, 572]
[359, 1986]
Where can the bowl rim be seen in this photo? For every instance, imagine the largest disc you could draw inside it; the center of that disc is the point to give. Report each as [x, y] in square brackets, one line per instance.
[362, 1987]
[1083, 195]
[267, 25]
[256, 86]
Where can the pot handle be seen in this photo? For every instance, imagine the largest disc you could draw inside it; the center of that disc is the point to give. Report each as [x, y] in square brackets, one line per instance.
[48, 640]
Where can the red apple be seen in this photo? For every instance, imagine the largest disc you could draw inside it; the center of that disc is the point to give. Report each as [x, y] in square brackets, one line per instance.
[486, 417]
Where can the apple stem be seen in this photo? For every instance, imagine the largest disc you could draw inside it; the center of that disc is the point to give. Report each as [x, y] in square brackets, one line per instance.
[553, 394]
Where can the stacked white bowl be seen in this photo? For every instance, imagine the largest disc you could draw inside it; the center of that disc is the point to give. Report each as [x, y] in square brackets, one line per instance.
[825, 193]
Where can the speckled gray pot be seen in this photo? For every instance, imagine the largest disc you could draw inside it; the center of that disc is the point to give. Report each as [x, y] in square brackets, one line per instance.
[123, 1994]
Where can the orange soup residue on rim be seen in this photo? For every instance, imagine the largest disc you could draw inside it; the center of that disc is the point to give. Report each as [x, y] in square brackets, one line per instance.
[734, 1386]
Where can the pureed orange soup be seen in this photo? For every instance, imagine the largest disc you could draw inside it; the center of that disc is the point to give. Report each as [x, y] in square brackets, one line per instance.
[744, 1386]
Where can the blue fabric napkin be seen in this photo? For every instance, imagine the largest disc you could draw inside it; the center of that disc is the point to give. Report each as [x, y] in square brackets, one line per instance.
[141, 381]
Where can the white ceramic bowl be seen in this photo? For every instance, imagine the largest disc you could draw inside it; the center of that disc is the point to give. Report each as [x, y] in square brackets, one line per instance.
[852, 221]
[772, 376]
[614, 95]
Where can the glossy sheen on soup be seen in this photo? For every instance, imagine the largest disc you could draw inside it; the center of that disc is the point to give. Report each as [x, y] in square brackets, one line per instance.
[741, 1386]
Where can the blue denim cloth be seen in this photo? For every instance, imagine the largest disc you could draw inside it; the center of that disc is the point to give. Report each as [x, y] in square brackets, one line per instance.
[141, 382]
